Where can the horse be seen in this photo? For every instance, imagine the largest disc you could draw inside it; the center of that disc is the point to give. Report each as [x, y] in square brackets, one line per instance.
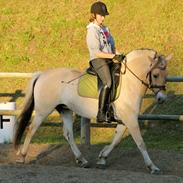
[57, 89]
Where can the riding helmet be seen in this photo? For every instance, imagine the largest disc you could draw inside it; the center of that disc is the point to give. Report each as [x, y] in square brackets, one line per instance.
[99, 8]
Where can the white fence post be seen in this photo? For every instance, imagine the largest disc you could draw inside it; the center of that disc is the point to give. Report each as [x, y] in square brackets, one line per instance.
[7, 123]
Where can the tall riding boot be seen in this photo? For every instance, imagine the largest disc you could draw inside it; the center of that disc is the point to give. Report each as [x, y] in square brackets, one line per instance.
[103, 102]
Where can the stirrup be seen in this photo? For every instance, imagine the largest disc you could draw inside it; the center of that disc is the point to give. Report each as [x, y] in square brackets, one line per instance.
[113, 119]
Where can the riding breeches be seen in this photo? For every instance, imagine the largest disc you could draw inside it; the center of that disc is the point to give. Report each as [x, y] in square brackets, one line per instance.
[102, 68]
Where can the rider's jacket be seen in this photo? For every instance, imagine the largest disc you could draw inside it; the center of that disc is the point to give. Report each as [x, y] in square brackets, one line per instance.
[99, 38]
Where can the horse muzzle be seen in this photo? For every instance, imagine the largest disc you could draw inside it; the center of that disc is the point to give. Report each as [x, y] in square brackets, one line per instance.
[160, 97]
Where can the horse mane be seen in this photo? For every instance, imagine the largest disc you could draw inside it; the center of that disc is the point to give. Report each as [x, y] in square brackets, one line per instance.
[140, 52]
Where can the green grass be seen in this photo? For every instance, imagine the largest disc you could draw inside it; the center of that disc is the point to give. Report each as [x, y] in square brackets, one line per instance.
[164, 136]
[39, 35]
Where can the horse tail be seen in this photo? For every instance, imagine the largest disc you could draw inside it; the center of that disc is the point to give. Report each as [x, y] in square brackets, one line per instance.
[26, 113]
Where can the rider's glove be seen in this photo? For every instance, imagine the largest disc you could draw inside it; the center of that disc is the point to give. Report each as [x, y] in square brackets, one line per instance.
[119, 57]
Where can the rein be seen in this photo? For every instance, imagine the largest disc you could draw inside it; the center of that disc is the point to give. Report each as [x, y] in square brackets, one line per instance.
[148, 85]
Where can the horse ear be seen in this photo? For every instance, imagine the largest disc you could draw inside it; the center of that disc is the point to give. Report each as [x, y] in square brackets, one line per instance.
[153, 63]
[169, 57]
[150, 59]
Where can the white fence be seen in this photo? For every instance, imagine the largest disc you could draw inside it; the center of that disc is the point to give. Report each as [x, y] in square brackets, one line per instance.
[85, 123]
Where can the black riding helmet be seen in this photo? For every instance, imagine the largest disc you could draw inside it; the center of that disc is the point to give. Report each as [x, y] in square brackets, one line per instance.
[99, 8]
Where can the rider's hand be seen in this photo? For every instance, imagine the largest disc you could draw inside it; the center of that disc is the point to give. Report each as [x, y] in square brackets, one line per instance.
[119, 57]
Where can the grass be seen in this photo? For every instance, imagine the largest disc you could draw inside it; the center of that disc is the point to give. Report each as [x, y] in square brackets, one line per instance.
[164, 136]
[39, 35]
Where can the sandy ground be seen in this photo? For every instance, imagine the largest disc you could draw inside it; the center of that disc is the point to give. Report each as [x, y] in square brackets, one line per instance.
[55, 163]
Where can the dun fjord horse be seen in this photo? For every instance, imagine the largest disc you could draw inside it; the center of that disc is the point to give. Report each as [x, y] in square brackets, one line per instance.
[145, 68]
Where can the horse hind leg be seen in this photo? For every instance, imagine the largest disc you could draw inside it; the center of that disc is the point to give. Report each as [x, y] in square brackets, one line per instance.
[68, 134]
[22, 152]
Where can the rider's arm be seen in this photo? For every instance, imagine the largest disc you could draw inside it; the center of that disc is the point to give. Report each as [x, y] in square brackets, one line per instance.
[101, 54]
[94, 45]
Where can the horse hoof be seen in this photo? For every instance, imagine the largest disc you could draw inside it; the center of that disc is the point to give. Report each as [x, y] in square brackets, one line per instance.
[156, 171]
[82, 163]
[101, 163]
[101, 166]
[20, 161]
[85, 165]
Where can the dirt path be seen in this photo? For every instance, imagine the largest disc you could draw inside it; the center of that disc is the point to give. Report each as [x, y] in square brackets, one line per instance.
[55, 163]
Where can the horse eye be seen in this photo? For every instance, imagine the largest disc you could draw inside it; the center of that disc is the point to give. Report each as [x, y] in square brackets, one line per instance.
[155, 76]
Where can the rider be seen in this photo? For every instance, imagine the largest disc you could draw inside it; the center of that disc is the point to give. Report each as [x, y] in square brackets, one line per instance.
[102, 50]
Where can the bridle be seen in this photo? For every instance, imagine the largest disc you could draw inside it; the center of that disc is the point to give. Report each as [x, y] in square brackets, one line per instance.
[149, 85]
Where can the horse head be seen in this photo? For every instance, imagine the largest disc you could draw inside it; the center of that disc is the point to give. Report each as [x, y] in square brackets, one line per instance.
[157, 76]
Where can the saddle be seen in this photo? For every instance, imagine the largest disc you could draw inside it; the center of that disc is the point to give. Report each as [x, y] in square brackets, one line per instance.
[90, 84]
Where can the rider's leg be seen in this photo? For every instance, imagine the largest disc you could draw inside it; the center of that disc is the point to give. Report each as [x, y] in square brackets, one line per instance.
[102, 68]
[102, 106]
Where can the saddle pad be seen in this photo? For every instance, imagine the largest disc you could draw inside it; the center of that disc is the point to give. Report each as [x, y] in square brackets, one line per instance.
[88, 87]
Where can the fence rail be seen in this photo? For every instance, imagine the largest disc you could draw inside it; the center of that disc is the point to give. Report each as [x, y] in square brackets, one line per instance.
[15, 75]
[85, 123]
[29, 75]
[141, 117]
[17, 112]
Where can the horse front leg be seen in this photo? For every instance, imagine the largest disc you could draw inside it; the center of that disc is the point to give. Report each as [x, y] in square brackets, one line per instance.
[120, 129]
[133, 127]
[68, 134]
